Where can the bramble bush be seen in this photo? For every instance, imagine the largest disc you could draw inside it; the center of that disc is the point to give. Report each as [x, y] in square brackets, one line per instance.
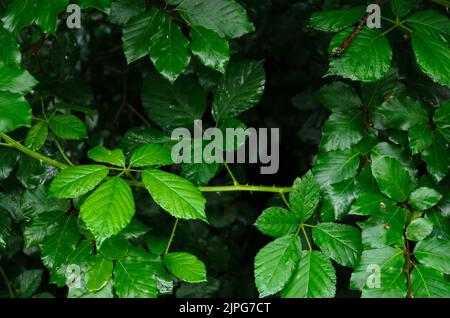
[93, 205]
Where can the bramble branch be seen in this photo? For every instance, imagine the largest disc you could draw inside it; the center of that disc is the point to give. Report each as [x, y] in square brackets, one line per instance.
[236, 187]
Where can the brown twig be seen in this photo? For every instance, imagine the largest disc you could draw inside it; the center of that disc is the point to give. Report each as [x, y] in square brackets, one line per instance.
[340, 49]
[35, 47]
[139, 115]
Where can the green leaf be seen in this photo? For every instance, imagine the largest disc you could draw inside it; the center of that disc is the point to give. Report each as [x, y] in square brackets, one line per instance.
[15, 112]
[102, 5]
[384, 149]
[73, 266]
[420, 138]
[164, 280]
[429, 283]
[36, 136]
[42, 226]
[380, 274]
[23, 13]
[424, 198]
[275, 263]
[338, 96]
[47, 14]
[392, 178]
[336, 166]
[277, 222]
[151, 155]
[225, 17]
[385, 227]
[123, 10]
[430, 23]
[369, 204]
[304, 197]
[441, 119]
[432, 56]
[367, 59]
[444, 205]
[109, 209]
[199, 173]
[8, 160]
[336, 20]
[15, 80]
[402, 113]
[134, 277]
[375, 93]
[5, 228]
[185, 99]
[56, 247]
[103, 155]
[68, 127]
[186, 267]
[436, 156]
[138, 32]
[402, 7]
[441, 226]
[157, 245]
[314, 277]
[73, 182]
[240, 89]
[28, 282]
[169, 50]
[342, 130]
[340, 242]
[35, 202]
[19, 14]
[10, 54]
[174, 194]
[341, 195]
[134, 230]
[114, 248]
[99, 272]
[434, 253]
[419, 229]
[210, 48]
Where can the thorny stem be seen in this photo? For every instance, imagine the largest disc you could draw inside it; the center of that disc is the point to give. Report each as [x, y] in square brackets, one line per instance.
[12, 143]
[250, 188]
[172, 235]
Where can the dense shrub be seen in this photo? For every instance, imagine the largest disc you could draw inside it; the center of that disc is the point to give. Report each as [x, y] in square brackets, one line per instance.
[93, 205]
